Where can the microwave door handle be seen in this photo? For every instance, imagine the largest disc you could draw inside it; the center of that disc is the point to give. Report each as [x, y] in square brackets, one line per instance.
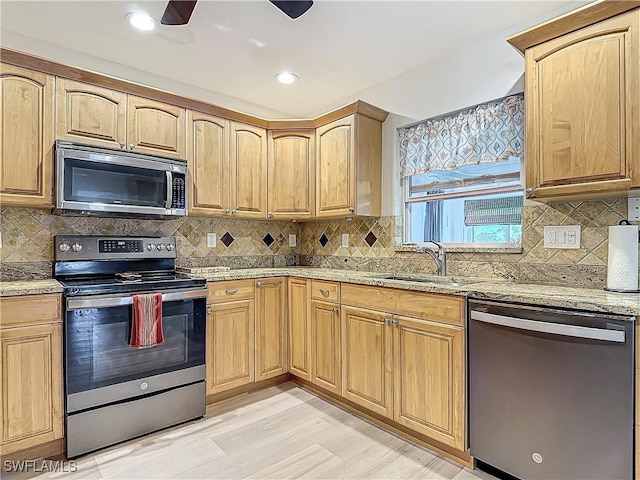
[168, 201]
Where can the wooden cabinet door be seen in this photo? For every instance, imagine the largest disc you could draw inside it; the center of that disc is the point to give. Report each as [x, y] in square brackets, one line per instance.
[291, 162]
[26, 140]
[583, 94]
[325, 346]
[248, 171]
[429, 379]
[230, 358]
[88, 114]
[367, 362]
[299, 328]
[335, 168]
[155, 128]
[271, 328]
[208, 161]
[31, 387]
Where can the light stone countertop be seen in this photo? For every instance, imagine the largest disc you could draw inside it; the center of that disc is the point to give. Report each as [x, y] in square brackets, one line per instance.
[498, 289]
[29, 287]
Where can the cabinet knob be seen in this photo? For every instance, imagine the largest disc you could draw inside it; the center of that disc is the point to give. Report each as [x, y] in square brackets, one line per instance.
[259, 284]
[394, 322]
[529, 191]
[228, 211]
[233, 212]
[209, 310]
[351, 209]
[335, 309]
[131, 146]
[122, 144]
[387, 321]
[270, 214]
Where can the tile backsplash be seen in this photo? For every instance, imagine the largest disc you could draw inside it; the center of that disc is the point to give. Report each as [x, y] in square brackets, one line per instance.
[373, 246]
[27, 250]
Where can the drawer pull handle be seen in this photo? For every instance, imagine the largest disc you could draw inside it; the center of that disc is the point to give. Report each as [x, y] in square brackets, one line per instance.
[260, 284]
[231, 291]
[325, 293]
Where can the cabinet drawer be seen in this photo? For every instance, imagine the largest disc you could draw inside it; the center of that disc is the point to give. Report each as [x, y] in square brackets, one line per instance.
[426, 306]
[327, 291]
[30, 310]
[218, 292]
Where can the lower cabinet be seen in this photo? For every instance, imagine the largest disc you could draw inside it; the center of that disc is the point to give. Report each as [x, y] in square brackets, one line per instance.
[299, 328]
[325, 346]
[429, 379]
[271, 328]
[31, 408]
[230, 359]
[246, 332]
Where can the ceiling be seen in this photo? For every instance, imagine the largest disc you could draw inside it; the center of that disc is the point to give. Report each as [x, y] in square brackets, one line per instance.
[236, 47]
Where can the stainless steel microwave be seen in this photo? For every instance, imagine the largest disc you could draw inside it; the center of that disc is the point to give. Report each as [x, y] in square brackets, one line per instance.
[95, 180]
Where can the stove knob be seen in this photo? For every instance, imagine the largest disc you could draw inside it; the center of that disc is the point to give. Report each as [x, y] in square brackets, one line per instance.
[151, 246]
[76, 247]
[64, 247]
[169, 247]
[160, 246]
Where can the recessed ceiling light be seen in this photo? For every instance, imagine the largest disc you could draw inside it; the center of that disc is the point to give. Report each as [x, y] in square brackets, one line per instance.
[141, 21]
[286, 77]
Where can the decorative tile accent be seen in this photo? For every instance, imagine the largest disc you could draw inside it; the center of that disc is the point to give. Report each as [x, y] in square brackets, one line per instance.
[370, 238]
[227, 239]
[323, 240]
[268, 239]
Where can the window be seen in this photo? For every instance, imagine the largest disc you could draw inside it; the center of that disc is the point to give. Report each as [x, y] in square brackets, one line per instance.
[462, 177]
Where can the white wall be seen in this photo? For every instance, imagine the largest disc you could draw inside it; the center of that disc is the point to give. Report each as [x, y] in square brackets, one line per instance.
[15, 41]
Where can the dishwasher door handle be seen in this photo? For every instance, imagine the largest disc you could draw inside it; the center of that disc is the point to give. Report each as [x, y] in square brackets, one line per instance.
[552, 328]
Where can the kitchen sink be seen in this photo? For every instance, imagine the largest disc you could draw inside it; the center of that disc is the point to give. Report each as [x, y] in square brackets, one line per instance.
[449, 282]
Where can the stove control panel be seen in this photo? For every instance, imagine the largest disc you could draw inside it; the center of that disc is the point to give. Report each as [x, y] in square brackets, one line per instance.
[90, 247]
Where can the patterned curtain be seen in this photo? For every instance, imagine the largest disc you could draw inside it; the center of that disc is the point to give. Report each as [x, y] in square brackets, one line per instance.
[491, 132]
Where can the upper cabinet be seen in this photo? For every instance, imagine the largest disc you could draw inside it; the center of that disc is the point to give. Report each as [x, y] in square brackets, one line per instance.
[155, 128]
[89, 114]
[583, 109]
[26, 142]
[349, 167]
[248, 171]
[291, 162]
[107, 118]
[208, 162]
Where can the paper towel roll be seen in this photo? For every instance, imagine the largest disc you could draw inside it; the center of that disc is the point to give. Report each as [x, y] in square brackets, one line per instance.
[622, 269]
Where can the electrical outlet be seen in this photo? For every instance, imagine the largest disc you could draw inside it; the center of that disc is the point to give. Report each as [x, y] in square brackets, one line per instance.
[212, 240]
[293, 240]
[633, 214]
[567, 236]
[345, 240]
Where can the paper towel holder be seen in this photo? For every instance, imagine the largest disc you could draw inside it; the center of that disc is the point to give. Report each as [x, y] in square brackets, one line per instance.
[624, 221]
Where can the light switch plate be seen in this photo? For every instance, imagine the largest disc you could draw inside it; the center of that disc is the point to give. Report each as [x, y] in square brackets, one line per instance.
[634, 209]
[212, 240]
[345, 240]
[565, 236]
[293, 240]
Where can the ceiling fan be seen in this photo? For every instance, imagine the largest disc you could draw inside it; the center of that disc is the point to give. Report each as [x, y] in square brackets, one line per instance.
[178, 12]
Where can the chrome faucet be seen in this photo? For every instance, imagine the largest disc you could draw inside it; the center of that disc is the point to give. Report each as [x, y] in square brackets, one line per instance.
[440, 258]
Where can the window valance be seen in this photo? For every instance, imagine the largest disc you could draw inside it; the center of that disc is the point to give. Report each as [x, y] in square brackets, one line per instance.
[490, 132]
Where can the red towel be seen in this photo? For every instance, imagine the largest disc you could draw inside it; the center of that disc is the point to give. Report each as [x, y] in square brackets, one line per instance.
[146, 324]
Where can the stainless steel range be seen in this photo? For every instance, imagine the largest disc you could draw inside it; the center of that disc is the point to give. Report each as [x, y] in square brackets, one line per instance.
[115, 392]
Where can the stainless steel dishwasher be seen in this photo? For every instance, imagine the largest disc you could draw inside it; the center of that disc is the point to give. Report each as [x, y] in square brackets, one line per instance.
[551, 392]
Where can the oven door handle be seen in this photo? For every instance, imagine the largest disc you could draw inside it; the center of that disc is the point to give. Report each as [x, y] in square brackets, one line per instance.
[169, 200]
[105, 302]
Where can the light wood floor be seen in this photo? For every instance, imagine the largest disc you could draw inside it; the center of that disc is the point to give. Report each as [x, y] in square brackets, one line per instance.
[281, 432]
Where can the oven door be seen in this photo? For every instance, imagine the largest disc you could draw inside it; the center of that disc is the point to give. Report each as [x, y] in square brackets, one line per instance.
[113, 182]
[102, 368]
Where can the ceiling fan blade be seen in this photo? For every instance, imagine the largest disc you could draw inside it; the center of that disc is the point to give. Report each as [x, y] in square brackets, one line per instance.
[178, 12]
[293, 8]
